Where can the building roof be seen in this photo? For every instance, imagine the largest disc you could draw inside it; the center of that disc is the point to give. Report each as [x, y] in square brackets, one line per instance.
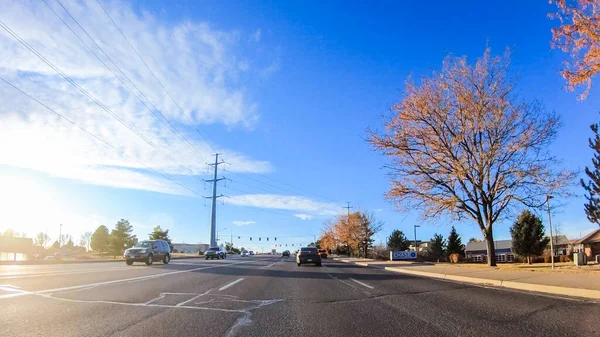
[592, 237]
[499, 244]
[561, 240]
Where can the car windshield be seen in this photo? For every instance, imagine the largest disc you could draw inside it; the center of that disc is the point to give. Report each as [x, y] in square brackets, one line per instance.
[214, 249]
[144, 244]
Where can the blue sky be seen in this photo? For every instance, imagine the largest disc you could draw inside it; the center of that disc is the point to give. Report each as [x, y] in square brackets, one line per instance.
[284, 90]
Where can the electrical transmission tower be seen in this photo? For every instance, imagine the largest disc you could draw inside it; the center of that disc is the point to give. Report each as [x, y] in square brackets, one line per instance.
[213, 214]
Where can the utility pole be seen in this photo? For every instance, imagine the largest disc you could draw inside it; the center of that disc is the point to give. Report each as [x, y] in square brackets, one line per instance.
[59, 235]
[213, 214]
[548, 197]
[348, 208]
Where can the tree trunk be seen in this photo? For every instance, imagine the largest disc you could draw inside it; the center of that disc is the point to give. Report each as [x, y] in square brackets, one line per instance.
[348, 247]
[491, 250]
[528, 259]
[366, 249]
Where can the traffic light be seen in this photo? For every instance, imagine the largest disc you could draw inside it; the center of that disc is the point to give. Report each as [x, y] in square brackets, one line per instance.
[250, 238]
[258, 238]
[238, 237]
[275, 239]
[267, 239]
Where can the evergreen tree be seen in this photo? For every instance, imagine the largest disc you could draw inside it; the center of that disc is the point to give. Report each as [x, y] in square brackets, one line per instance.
[528, 238]
[398, 241]
[99, 240]
[454, 245]
[438, 246]
[160, 234]
[121, 238]
[592, 187]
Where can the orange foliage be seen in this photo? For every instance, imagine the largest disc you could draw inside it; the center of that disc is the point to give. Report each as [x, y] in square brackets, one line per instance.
[578, 35]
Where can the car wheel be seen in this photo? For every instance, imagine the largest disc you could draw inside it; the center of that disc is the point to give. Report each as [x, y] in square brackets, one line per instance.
[129, 262]
[298, 264]
[149, 260]
[206, 258]
[167, 259]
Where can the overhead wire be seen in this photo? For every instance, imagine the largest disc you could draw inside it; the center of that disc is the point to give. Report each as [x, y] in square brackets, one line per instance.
[156, 112]
[154, 75]
[92, 98]
[172, 127]
[177, 104]
[96, 137]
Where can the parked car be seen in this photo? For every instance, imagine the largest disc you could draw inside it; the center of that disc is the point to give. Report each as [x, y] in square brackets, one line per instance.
[148, 251]
[323, 253]
[285, 253]
[215, 253]
[245, 253]
[308, 255]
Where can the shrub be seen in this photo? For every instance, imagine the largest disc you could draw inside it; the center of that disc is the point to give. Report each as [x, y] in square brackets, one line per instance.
[455, 258]
[565, 258]
[379, 252]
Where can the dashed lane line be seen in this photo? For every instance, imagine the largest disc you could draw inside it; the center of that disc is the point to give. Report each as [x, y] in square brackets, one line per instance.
[231, 284]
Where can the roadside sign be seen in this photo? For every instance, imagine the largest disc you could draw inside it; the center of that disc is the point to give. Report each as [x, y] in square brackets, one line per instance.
[394, 256]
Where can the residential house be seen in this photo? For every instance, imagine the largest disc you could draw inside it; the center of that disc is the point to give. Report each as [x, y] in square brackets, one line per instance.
[590, 244]
[562, 245]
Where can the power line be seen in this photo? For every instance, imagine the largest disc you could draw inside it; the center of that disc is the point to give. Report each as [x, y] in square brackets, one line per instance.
[298, 188]
[177, 104]
[154, 75]
[97, 137]
[156, 112]
[92, 98]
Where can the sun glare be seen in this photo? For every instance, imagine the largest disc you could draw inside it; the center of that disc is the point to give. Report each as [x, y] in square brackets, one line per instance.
[27, 206]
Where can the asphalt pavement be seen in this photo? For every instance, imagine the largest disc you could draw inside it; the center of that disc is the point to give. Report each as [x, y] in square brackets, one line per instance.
[270, 296]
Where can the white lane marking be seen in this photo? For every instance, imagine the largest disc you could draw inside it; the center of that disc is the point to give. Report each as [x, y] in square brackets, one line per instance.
[268, 266]
[231, 284]
[362, 284]
[139, 278]
[193, 298]
[60, 273]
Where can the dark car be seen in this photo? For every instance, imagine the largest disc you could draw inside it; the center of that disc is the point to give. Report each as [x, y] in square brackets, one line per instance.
[323, 253]
[148, 251]
[308, 255]
[215, 253]
[285, 253]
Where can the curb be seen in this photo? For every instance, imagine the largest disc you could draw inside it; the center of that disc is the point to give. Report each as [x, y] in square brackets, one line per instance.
[576, 292]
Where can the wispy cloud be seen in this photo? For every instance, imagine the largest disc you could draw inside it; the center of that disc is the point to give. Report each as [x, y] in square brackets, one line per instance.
[271, 68]
[303, 216]
[198, 64]
[256, 35]
[286, 202]
[243, 223]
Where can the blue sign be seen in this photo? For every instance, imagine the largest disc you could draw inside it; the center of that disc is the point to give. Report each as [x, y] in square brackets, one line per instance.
[394, 256]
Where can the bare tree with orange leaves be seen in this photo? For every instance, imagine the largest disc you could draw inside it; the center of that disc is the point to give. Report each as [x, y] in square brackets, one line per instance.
[578, 35]
[461, 143]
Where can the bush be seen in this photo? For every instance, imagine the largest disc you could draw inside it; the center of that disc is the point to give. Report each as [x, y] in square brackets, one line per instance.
[455, 258]
[379, 252]
[565, 258]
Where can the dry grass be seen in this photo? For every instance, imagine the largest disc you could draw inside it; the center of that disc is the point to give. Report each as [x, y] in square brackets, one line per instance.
[561, 267]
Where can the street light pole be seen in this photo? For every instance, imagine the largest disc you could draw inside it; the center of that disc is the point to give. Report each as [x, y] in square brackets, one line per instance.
[548, 197]
[59, 235]
[416, 236]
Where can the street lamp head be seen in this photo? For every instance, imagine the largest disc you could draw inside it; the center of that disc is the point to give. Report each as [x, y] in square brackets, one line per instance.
[548, 196]
[417, 225]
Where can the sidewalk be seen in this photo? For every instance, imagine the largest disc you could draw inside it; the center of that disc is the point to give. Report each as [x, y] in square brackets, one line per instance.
[578, 285]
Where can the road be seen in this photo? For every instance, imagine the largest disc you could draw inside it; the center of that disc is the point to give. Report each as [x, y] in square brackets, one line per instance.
[270, 296]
